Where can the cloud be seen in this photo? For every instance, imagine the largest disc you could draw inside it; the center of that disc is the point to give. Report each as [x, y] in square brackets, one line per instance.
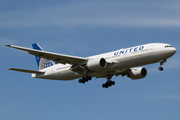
[116, 14]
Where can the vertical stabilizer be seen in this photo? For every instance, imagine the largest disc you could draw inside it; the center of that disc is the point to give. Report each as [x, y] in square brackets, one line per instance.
[42, 62]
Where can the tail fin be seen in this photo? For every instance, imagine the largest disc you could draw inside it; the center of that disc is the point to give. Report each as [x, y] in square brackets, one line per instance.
[42, 62]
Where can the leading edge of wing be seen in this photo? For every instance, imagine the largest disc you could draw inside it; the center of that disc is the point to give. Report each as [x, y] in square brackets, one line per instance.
[58, 58]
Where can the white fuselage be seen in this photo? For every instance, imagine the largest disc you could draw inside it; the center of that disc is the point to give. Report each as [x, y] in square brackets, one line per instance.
[118, 61]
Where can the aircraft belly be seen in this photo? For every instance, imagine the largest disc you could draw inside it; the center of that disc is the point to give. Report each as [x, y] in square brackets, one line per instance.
[64, 75]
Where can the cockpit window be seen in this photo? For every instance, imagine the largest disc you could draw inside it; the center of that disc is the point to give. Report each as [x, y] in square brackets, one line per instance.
[168, 46]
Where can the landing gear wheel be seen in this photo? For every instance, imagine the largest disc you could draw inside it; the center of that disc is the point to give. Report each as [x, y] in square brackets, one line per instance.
[89, 78]
[80, 80]
[103, 85]
[161, 68]
[85, 79]
[113, 83]
[108, 84]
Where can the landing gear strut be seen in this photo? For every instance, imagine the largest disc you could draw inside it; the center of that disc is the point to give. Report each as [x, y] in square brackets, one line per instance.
[109, 83]
[85, 77]
[161, 63]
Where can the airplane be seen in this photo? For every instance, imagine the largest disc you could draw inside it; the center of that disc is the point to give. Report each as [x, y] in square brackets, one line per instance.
[124, 62]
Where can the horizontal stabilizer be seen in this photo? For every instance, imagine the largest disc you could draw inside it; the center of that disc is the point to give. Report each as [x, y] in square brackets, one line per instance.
[26, 71]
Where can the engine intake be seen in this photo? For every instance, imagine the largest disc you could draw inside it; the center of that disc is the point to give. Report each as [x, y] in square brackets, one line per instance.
[137, 73]
[96, 64]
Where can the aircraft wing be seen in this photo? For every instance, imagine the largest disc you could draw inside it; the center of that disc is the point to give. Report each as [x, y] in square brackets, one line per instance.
[58, 58]
[26, 71]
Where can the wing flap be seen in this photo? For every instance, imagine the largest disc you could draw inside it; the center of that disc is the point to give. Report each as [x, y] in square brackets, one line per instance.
[26, 71]
[122, 73]
[78, 69]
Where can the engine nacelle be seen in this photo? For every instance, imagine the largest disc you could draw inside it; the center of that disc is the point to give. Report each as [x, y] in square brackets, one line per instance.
[137, 73]
[96, 64]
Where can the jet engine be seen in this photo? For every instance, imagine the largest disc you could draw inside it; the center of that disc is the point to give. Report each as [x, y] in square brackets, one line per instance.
[96, 64]
[137, 73]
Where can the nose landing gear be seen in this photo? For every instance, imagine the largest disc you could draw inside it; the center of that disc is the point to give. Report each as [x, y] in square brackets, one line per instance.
[160, 68]
[161, 63]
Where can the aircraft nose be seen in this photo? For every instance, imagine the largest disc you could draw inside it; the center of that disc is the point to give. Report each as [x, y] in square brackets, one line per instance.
[173, 51]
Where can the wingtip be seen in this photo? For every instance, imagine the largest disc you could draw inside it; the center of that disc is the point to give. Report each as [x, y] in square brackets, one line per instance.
[8, 45]
[9, 68]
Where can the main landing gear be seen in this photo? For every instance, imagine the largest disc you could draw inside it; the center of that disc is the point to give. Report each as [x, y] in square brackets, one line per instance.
[109, 83]
[161, 63]
[85, 79]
